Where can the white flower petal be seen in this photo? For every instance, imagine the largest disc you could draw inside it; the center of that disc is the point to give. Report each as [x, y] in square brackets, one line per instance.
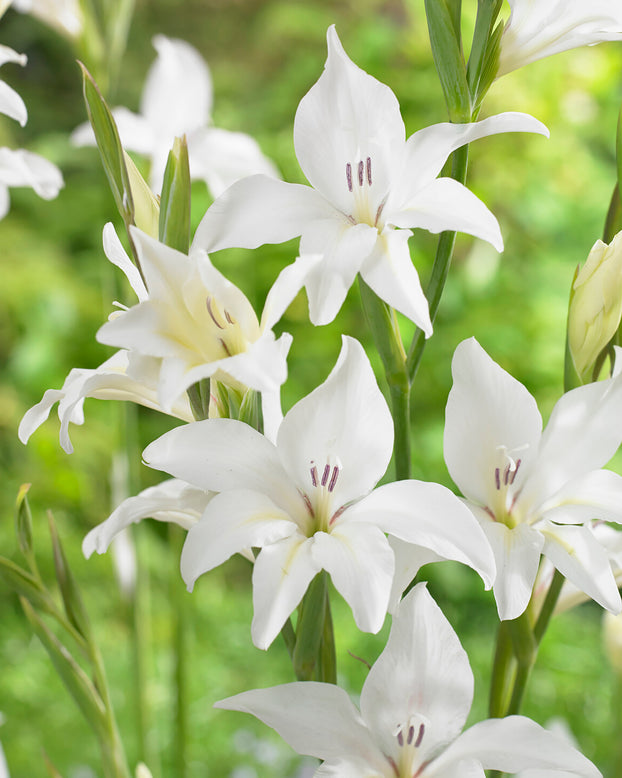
[11, 104]
[23, 168]
[487, 411]
[287, 285]
[516, 743]
[597, 495]
[389, 271]
[172, 500]
[346, 417]
[429, 515]
[257, 210]
[232, 522]
[346, 117]
[316, 719]
[445, 204]
[408, 561]
[360, 562]
[577, 554]
[113, 248]
[281, 575]
[422, 673]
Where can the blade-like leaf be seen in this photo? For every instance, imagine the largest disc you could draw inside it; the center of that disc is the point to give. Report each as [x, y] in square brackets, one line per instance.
[23, 521]
[175, 199]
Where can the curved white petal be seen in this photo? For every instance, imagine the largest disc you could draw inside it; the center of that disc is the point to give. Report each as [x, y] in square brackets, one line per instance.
[597, 495]
[345, 422]
[220, 158]
[113, 249]
[360, 562]
[408, 561]
[8, 54]
[428, 149]
[23, 168]
[172, 500]
[345, 118]
[389, 271]
[490, 417]
[257, 210]
[232, 522]
[444, 204]
[281, 575]
[516, 743]
[583, 433]
[11, 104]
[423, 675]
[221, 455]
[177, 96]
[316, 719]
[517, 555]
[429, 515]
[287, 285]
[576, 553]
[329, 281]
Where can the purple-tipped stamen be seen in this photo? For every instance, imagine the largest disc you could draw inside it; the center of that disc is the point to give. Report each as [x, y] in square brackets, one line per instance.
[400, 738]
[513, 473]
[419, 736]
[333, 478]
[361, 169]
[368, 166]
[208, 303]
[411, 734]
[229, 318]
[497, 479]
[313, 474]
[325, 475]
[349, 176]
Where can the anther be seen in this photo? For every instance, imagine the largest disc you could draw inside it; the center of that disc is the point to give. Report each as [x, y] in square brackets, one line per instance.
[368, 165]
[333, 478]
[419, 736]
[325, 475]
[229, 318]
[208, 303]
[506, 474]
[224, 345]
[513, 473]
[361, 168]
[411, 734]
[314, 474]
[400, 738]
[497, 479]
[349, 176]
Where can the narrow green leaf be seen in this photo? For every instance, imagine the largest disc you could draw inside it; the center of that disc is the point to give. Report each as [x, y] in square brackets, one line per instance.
[175, 199]
[73, 676]
[23, 522]
[52, 771]
[448, 59]
[250, 409]
[109, 146]
[310, 628]
[619, 152]
[483, 40]
[199, 396]
[26, 585]
[72, 600]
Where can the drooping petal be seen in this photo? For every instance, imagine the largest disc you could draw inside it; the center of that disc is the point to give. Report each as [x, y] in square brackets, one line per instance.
[360, 562]
[444, 204]
[512, 744]
[281, 575]
[345, 422]
[517, 555]
[232, 522]
[221, 455]
[488, 413]
[428, 149]
[408, 561]
[577, 554]
[19, 167]
[316, 719]
[583, 433]
[597, 495]
[287, 285]
[428, 515]
[177, 96]
[172, 500]
[389, 271]
[257, 210]
[113, 248]
[11, 104]
[220, 158]
[344, 248]
[345, 118]
[422, 675]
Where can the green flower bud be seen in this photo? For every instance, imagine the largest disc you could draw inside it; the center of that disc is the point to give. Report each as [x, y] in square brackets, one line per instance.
[595, 304]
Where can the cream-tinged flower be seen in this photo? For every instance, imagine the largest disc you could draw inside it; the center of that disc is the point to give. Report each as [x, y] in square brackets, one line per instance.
[177, 100]
[532, 490]
[595, 304]
[307, 502]
[540, 28]
[414, 704]
[369, 187]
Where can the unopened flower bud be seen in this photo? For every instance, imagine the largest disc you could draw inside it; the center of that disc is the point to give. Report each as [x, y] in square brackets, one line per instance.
[595, 304]
[142, 771]
[612, 636]
[146, 205]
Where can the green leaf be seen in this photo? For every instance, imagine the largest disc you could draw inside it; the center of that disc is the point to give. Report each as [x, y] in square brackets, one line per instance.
[73, 676]
[448, 59]
[26, 585]
[23, 522]
[484, 56]
[249, 411]
[175, 199]
[109, 146]
[72, 600]
[310, 628]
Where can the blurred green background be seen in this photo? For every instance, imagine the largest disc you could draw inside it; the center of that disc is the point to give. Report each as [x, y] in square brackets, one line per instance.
[57, 287]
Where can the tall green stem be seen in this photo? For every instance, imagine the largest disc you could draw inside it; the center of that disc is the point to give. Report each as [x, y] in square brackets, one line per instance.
[440, 269]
